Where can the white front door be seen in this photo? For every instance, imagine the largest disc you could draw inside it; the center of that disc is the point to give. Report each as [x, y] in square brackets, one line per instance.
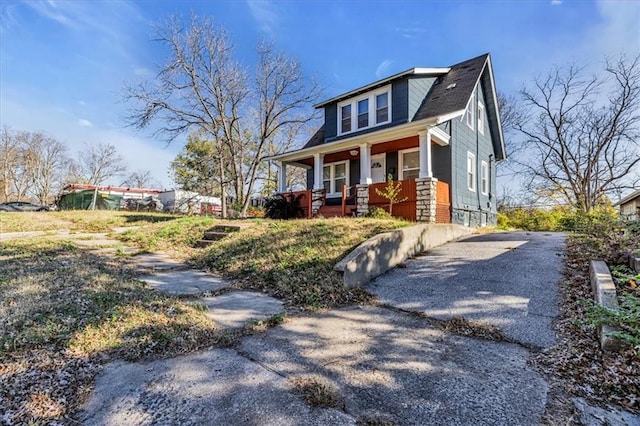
[378, 168]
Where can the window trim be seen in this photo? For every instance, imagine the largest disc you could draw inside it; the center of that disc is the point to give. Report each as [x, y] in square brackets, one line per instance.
[401, 161]
[481, 120]
[471, 170]
[372, 110]
[332, 177]
[469, 112]
[484, 177]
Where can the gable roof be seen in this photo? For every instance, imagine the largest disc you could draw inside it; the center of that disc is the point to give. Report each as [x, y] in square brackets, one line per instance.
[447, 98]
[451, 92]
[628, 198]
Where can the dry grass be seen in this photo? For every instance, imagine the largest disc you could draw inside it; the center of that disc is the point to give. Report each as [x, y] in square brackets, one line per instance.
[77, 220]
[316, 392]
[64, 313]
[293, 260]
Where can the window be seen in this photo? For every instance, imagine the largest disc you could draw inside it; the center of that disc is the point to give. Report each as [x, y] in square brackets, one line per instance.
[480, 117]
[334, 177]
[371, 109]
[469, 112]
[363, 113]
[409, 164]
[345, 113]
[471, 172]
[484, 177]
[382, 108]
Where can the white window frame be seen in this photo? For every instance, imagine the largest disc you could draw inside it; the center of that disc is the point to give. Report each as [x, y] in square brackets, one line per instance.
[332, 177]
[481, 117]
[371, 97]
[484, 177]
[401, 161]
[469, 116]
[471, 171]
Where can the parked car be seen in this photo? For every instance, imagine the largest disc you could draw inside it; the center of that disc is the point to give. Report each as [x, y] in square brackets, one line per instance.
[22, 206]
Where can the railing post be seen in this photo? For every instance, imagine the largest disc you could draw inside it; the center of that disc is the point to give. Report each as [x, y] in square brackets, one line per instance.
[344, 200]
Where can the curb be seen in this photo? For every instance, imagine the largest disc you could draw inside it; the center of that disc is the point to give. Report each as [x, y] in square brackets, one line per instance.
[385, 251]
[634, 263]
[604, 292]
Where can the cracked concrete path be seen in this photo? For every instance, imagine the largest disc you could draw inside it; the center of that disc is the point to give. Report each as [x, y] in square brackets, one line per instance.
[504, 279]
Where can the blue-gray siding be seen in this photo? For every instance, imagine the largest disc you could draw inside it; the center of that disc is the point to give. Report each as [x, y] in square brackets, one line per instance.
[418, 89]
[469, 206]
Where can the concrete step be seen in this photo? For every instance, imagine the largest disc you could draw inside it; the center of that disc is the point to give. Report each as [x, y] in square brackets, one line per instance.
[225, 228]
[204, 243]
[214, 235]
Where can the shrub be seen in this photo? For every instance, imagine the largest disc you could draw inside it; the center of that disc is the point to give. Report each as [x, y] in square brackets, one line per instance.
[378, 213]
[503, 221]
[284, 207]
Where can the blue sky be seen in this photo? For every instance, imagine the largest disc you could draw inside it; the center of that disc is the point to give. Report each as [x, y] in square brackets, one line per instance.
[63, 63]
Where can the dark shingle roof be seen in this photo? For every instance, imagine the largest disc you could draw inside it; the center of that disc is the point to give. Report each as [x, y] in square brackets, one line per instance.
[441, 101]
[316, 139]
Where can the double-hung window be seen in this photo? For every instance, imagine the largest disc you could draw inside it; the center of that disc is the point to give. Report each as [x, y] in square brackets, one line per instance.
[362, 112]
[334, 176]
[345, 114]
[382, 108]
[481, 117]
[484, 177]
[469, 113]
[409, 164]
[471, 172]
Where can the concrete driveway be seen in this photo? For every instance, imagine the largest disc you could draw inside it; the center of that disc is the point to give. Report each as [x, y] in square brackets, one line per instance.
[387, 367]
[504, 279]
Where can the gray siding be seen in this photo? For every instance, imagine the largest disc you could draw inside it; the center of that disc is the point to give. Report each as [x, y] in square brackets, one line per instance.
[399, 99]
[418, 89]
[472, 207]
[330, 121]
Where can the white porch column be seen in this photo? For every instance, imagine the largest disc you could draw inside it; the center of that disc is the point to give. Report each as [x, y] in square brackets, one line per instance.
[426, 168]
[365, 164]
[318, 160]
[282, 177]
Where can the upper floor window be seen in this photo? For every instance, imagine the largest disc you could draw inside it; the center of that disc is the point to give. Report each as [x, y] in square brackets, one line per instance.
[469, 112]
[368, 110]
[382, 108]
[345, 114]
[363, 113]
[481, 117]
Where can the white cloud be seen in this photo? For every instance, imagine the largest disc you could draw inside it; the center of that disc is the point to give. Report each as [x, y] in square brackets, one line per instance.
[556, 2]
[411, 32]
[142, 72]
[383, 68]
[264, 14]
[85, 123]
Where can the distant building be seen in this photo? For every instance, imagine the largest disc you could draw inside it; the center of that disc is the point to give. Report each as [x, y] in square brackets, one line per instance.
[187, 202]
[80, 196]
[630, 206]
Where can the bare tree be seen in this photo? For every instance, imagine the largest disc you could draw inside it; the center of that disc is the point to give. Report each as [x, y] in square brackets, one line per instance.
[47, 158]
[9, 162]
[204, 90]
[141, 179]
[582, 134]
[98, 163]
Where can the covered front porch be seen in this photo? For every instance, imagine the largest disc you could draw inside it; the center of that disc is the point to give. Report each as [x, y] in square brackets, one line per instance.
[345, 179]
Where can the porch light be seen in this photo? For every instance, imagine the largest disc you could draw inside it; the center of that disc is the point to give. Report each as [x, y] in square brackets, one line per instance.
[354, 152]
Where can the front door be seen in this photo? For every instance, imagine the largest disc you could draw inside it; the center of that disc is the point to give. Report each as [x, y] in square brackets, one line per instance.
[378, 168]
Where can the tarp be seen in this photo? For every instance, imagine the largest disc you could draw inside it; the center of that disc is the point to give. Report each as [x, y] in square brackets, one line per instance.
[82, 200]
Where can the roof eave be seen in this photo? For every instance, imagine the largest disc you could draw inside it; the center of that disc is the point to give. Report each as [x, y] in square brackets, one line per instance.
[411, 71]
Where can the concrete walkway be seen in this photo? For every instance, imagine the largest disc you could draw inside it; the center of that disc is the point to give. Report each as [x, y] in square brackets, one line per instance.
[503, 279]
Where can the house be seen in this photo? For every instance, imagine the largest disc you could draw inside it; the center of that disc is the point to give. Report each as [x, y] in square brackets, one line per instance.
[436, 130]
[630, 206]
[180, 201]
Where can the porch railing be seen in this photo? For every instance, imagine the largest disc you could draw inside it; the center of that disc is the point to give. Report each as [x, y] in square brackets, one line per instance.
[348, 193]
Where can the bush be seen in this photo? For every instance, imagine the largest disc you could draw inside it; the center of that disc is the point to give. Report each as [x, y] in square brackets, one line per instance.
[558, 219]
[284, 207]
[503, 221]
[378, 213]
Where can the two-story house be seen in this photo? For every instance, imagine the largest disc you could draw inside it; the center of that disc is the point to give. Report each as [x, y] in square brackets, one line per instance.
[436, 130]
